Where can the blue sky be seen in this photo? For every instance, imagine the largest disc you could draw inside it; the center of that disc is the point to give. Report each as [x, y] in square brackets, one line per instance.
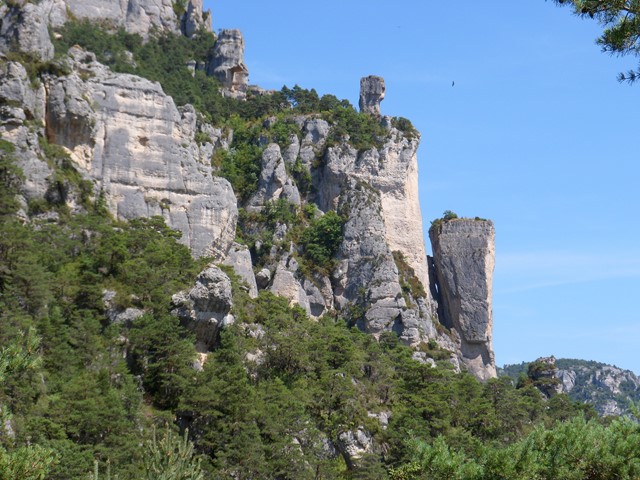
[536, 135]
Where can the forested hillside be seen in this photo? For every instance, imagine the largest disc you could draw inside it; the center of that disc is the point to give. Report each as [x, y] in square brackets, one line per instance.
[102, 376]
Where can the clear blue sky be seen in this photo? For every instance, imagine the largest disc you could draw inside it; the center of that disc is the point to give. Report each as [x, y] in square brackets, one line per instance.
[536, 135]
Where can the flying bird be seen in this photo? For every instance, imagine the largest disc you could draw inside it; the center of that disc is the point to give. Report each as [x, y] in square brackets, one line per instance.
[453, 83]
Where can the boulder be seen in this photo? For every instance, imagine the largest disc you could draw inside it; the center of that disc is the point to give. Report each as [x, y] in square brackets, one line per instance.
[239, 258]
[206, 307]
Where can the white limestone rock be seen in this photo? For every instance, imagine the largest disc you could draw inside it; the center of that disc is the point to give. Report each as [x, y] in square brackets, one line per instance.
[226, 63]
[128, 136]
[239, 258]
[464, 258]
[372, 90]
[274, 182]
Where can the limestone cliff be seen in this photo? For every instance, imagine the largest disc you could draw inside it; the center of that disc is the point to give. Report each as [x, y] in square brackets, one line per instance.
[145, 156]
[25, 25]
[464, 259]
[139, 149]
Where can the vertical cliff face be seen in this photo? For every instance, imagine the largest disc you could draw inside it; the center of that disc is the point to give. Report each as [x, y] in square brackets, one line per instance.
[464, 259]
[129, 137]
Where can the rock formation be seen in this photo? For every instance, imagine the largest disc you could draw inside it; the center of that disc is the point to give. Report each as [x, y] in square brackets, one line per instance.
[464, 258]
[226, 63]
[274, 182]
[25, 24]
[139, 151]
[129, 137]
[205, 308]
[372, 92]
[544, 374]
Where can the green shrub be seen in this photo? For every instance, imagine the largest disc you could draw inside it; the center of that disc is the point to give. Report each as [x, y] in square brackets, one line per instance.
[321, 240]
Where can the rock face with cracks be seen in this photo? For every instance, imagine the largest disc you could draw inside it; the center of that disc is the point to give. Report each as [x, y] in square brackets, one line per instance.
[464, 259]
[25, 24]
[126, 135]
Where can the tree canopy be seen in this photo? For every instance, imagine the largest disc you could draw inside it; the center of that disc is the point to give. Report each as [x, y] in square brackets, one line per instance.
[621, 35]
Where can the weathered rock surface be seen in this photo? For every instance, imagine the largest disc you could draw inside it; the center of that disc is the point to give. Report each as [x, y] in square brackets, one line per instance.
[274, 182]
[22, 107]
[24, 27]
[608, 388]
[353, 445]
[393, 172]
[134, 143]
[25, 24]
[286, 283]
[239, 258]
[366, 275]
[226, 63]
[464, 259]
[117, 314]
[372, 90]
[205, 308]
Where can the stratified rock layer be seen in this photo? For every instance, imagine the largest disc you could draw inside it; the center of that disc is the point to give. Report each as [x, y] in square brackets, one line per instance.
[464, 258]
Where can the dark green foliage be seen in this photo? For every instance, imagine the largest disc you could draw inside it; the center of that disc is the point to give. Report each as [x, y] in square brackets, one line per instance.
[447, 216]
[321, 240]
[621, 22]
[363, 131]
[171, 458]
[10, 178]
[405, 126]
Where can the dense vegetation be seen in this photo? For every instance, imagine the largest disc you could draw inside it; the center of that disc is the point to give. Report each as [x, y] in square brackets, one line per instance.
[84, 395]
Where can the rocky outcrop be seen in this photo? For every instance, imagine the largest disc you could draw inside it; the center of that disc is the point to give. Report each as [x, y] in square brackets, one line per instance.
[22, 114]
[239, 258]
[392, 171]
[126, 135]
[464, 258]
[25, 24]
[226, 63]
[608, 388]
[274, 183]
[354, 445]
[366, 279]
[544, 375]
[372, 90]
[205, 308]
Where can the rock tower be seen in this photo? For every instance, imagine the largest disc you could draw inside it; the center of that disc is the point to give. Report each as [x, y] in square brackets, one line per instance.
[226, 63]
[463, 262]
[372, 91]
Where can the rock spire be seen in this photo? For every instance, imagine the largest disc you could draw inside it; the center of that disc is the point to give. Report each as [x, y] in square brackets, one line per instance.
[372, 91]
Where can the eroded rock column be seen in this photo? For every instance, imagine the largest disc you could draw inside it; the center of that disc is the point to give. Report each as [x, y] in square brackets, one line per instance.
[372, 90]
[226, 63]
[464, 258]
